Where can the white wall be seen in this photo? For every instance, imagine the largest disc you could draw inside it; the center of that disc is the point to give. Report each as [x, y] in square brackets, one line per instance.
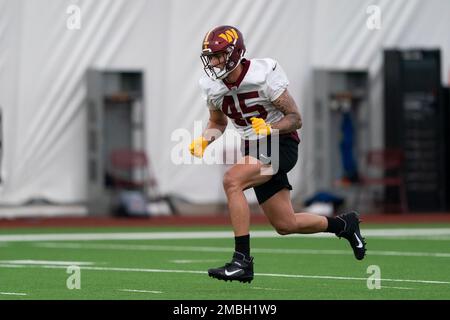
[42, 65]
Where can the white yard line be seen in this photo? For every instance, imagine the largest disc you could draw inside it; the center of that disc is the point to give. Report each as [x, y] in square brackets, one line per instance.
[47, 262]
[13, 293]
[227, 249]
[268, 289]
[140, 291]
[382, 233]
[186, 261]
[143, 247]
[273, 275]
[121, 236]
[347, 278]
[399, 288]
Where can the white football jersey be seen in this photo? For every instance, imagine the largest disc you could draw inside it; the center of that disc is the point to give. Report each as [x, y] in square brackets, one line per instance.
[261, 82]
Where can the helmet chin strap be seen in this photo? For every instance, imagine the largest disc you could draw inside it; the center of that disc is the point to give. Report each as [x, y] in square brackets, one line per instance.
[229, 71]
[223, 76]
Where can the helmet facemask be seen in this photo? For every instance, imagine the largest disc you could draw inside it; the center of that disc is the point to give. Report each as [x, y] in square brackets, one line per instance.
[229, 65]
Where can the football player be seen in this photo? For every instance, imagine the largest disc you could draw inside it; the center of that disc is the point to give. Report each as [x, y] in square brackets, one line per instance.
[253, 94]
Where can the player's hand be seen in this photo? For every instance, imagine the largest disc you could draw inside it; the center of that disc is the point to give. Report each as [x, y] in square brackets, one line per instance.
[198, 146]
[260, 126]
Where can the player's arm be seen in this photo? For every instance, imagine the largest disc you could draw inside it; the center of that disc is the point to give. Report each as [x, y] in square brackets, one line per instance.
[292, 119]
[216, 126]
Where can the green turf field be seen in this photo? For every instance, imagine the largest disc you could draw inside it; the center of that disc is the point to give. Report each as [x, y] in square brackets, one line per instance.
[413, 265]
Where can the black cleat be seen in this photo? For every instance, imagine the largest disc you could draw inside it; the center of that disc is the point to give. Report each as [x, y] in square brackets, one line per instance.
[239, 269]
[352, 233]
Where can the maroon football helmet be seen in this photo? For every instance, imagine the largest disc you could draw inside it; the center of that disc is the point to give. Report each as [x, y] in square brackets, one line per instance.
[222, 39]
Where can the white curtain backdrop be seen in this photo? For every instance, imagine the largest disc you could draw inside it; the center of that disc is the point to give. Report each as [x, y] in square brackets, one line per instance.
[43, 63]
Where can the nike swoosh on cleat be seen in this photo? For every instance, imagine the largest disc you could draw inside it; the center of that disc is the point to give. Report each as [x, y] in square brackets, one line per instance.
[227, 273]
[360, 245]
[264, 159]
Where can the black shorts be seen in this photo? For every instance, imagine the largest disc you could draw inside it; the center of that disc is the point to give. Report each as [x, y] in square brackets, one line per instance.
[286, 160]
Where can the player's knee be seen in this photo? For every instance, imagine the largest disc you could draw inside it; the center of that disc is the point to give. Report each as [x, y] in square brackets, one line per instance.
[284, 228]
[230, 182]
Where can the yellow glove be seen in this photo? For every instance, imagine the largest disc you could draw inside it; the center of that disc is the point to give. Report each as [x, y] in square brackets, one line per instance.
[198, 146]
[260, 126]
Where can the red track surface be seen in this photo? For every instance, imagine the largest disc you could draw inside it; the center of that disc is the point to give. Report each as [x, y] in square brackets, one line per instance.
[218, 219]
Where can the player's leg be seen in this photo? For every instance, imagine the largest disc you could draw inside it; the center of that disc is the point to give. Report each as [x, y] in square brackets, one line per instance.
[245, 174]
[279, 211]
[238, 178]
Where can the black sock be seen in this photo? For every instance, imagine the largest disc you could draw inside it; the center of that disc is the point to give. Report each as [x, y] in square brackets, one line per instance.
[335, 225]
[242, 245]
